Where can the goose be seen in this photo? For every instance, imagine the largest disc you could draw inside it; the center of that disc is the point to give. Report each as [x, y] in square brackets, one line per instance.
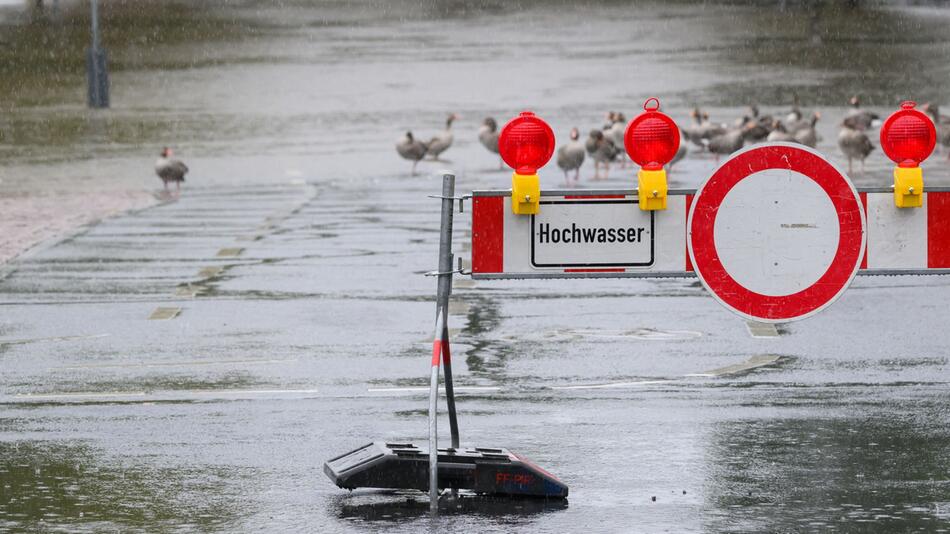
[615, 130]
[570, 156]
[942, 124]
[853, 142]
[709, 130]
[170, 170]
[680, 152]
[488, 136]
[694, 132]
[793, 117]
[412, 149]
[441, 141]
[795, 114]
[799, 123]
[863, 119]
[779, 133]
[807, 135]
[602, 149]
[754, 110]
[727, 142]
[758, 126]
[765, 120]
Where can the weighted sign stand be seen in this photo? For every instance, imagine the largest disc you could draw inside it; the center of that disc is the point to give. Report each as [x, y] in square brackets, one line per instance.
[483, 470]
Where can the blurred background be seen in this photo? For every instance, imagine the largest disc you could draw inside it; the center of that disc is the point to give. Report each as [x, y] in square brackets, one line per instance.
[190, 367]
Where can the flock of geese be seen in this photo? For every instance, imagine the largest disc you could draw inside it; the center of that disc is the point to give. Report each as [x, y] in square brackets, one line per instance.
[605, 145]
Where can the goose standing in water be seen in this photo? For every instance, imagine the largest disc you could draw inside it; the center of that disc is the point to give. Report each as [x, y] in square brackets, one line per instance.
[710, 130]
[779, 133]
[853, 142]
[615, 130]
[728, 142]
[797, 121]
[756, 129]
[942, 124]
[441, 141]
[412, 149]
[694, 132]
[170, 170]
[757, 126]
[863, 119]
[793, 116]
[794, 120]
[602, 149]
[702, 130]
[808, 136]
[680, 152]
[570, 157]
[488, 136]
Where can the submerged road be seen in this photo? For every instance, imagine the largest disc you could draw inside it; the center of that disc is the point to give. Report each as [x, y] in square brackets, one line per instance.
[191, 366]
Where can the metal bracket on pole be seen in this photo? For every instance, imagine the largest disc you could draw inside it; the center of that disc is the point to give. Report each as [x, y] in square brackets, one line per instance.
[461, 200]
[440, 346]
[458, 270]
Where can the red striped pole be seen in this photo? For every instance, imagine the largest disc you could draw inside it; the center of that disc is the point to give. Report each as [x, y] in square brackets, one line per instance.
[440, 341]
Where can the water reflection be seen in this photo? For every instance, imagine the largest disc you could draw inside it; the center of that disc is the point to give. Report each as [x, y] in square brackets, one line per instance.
[879, 52]
[60, 486]
[403, 507]
[486, 357]
[884, 474]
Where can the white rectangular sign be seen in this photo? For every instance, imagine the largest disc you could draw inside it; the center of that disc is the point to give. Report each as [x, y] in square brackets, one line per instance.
[595, 233]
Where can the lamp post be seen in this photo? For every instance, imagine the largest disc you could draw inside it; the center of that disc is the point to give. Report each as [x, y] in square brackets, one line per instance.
[97, 73]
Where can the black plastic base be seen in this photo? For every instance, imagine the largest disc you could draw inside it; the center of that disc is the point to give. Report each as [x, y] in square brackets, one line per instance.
[404, 466]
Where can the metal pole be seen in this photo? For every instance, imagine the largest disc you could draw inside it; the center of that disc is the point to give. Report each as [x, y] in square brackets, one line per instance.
[446, 262]
[440, 341]
[95, 24]
[449, 389]
[97, 71]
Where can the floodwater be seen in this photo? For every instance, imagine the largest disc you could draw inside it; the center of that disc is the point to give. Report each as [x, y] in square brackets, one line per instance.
[301, 320]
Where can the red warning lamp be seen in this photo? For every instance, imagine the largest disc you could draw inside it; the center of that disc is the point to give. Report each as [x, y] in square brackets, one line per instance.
[651, 140]
[908, 137]
[526, 144]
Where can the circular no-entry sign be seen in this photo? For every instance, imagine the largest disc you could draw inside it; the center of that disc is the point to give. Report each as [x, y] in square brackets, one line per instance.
[777, 233]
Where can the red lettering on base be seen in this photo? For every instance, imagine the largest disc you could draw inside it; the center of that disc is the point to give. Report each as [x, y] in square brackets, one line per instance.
[520, 479]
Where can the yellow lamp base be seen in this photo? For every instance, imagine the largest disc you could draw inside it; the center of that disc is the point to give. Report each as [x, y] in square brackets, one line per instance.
[525, 193]
[908, 187]
[652, 189]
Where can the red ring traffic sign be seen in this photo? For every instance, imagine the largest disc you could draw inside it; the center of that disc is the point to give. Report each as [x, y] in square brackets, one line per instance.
[777, 233]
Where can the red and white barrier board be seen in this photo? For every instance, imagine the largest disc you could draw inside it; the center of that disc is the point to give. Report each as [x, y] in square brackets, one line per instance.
[776, 233]
[899, 241]
[910, 239]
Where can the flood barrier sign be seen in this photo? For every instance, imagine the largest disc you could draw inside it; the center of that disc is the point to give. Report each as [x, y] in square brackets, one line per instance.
[592, 233]
[777, 233]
